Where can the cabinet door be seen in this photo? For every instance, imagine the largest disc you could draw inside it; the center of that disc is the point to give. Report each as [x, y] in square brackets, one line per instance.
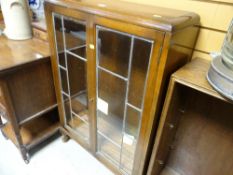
[122, 68]
[70, 36]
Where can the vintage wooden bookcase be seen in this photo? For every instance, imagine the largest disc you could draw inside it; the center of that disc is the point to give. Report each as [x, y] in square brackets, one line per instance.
[195, 134]
[110, 62]
[27, 96]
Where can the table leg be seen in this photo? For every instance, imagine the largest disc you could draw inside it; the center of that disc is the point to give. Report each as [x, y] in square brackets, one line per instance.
[25, 154]
[1, 121]
[1, 125]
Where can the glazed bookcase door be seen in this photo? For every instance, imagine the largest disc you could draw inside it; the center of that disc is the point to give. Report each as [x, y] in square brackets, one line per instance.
[122, 67]
[70, 38]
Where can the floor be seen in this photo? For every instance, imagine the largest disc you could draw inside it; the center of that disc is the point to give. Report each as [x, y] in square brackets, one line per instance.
[56, 158]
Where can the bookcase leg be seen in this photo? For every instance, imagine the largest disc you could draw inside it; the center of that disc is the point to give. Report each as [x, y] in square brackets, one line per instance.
[1, 125]
[4, 135]
[65, 138]
[25, 154]
[1, 121]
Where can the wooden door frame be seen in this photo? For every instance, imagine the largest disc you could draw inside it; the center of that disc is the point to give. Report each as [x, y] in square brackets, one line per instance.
[76, 15]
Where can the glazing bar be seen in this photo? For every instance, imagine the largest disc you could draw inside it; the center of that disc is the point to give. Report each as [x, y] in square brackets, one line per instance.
[73, 131]
[112, 73]
[67, 73]
[115, 31]
[64, 93]
[148, 67]
[108, 157]
[61, 67]
[134, 107]
[77, 56]
[143, 39]
[109, 139]
[124, 172]
[61, 19]
[78, 116]
[77, 47]
[125, 34]
[54, 31]
[97, 90]
[126, 95]
[64, 43]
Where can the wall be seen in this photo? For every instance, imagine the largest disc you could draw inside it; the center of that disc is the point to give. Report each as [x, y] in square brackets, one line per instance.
[215, 19]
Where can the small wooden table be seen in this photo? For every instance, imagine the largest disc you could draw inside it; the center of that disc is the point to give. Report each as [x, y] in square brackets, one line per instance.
[27, 97]
[195, 133]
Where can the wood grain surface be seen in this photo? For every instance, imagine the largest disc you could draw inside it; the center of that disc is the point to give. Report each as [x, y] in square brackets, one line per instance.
[15, 53]
[145, 15]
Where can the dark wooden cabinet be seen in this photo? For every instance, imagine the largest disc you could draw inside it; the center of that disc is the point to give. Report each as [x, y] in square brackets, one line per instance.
[111, 60]
[27, 95]
[195, 134]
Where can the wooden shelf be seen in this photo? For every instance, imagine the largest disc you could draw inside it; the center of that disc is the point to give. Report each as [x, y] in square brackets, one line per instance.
[34, 131]
[28, 119]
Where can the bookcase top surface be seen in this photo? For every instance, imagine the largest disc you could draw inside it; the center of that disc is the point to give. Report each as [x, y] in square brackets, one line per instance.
[160, 18]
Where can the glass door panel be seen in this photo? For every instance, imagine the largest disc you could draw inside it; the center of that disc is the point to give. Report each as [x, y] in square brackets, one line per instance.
[78, 95]
[113, 51]
[111, 97]
[140, 61]
[122, 66]
[64, 81]
[132, 124]
[75, 37]
[109, 149]
[71, 40]
[130, 137]
[59, 39]
[66, 106]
